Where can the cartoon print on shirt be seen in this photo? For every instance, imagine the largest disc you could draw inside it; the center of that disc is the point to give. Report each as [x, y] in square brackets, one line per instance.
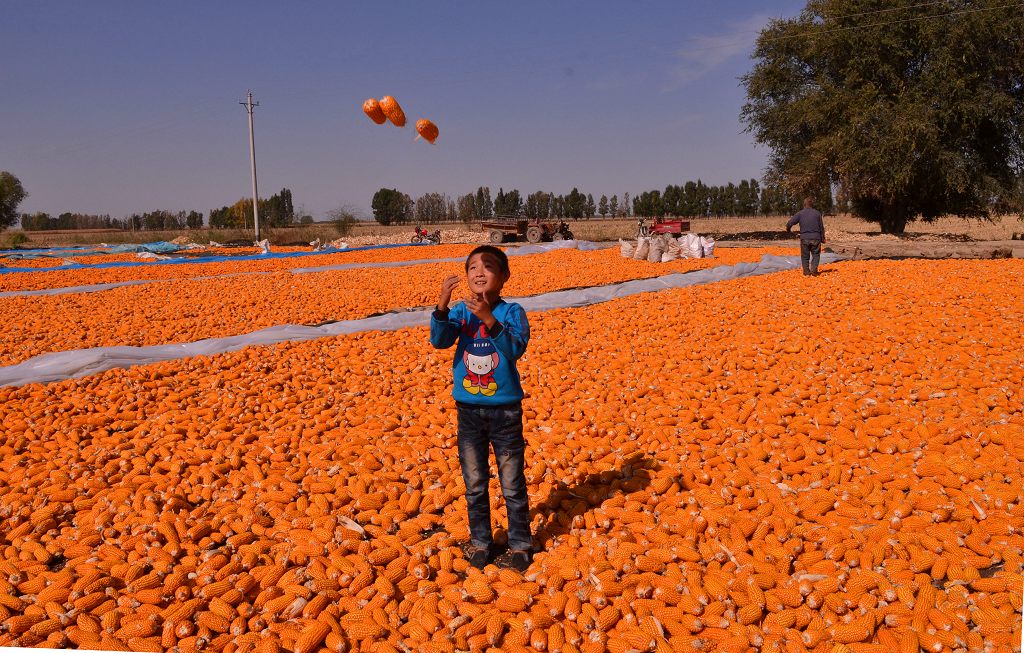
[480, 359]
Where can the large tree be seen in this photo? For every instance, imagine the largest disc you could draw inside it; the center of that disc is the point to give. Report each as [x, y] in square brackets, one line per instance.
[390, 205]
[466, 208]
[648, 204]
[538, 205]
[508, 205]
[277, 210]
[431, 208]
[484, 205]
[575, 204]
[11, 195]
[914, 111]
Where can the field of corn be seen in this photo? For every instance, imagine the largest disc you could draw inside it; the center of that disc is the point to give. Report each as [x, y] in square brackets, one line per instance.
[776, 463]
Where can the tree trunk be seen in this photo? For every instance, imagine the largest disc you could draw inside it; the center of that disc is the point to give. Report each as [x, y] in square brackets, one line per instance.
[894, 220]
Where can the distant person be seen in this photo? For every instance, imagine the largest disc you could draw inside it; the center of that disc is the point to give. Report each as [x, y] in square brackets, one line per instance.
[812, 236]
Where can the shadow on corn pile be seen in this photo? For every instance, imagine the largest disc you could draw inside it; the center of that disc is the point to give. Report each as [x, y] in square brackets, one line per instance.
[567, 506]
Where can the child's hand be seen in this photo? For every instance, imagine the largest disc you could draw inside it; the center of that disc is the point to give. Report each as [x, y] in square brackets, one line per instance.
[480, 307]
[447, 286]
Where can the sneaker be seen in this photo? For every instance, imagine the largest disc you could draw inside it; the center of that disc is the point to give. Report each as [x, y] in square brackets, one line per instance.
[520, 560]
[477, 557]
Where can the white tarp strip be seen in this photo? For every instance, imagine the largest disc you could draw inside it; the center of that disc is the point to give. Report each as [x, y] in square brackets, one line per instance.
[62, 365]
[515, 251]
[68, 290]
[97, 287]
[379, 264]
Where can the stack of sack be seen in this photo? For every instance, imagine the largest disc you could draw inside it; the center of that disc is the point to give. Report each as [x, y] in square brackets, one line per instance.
[663, 248]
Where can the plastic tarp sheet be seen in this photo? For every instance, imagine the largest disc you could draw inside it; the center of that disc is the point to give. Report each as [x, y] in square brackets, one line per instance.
[98, 287]
[210, 259]
[35, 257]
[30, 256]
[540, 248]
[525, 250]
[159, 247]
[71, 248]
[69, 364]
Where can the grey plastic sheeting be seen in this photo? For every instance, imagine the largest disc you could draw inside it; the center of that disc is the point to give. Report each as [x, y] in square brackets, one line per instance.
[97, 287]
[517, 251]
[69, 364]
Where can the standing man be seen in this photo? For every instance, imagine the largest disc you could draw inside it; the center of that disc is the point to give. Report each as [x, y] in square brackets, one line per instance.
[812, 236]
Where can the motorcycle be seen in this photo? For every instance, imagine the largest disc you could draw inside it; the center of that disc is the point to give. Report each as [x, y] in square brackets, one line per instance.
[422, 236]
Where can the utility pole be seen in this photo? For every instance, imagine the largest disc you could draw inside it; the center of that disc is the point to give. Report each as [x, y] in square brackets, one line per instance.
[248, 104]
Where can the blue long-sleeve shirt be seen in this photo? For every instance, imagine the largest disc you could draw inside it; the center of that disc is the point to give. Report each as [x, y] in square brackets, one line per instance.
[811, 225]
[485, 361]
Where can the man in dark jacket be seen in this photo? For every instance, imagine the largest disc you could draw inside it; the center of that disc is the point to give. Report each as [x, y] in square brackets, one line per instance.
[812, 236]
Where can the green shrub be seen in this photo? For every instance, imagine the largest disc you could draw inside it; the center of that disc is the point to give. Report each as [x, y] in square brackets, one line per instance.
[343, 223]
[17, 239]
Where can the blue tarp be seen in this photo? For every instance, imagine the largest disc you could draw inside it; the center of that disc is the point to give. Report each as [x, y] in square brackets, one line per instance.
[208, 259]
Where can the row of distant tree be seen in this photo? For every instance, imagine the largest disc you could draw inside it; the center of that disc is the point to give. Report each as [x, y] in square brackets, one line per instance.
[275, 211]
[151, 220]
[692, 199]
[391, 206]
[696, 199]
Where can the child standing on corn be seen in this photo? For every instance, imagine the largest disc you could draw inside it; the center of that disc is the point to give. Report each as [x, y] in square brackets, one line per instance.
[491, 335]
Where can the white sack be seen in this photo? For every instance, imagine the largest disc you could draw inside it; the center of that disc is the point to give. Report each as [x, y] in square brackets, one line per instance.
[643, 248]
[708, 246]
[657, 249]
[692, 246]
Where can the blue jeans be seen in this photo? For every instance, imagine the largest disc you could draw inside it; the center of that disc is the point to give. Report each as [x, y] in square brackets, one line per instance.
[810, 249]
[481, 428]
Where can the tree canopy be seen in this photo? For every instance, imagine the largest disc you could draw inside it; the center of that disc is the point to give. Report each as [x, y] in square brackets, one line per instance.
[391, 206]
[275, 211]
[11, 195]
[910, 112]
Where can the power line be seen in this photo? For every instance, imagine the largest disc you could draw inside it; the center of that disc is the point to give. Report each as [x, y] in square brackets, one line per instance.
[890, 9]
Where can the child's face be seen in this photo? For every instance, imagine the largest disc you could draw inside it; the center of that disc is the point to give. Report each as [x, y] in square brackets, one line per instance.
[485, 275]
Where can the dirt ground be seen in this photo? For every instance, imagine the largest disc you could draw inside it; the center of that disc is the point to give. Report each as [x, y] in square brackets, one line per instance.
[847, 235]
[856, 238]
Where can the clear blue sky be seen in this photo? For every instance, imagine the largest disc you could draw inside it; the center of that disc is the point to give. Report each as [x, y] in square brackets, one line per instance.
[115, 107]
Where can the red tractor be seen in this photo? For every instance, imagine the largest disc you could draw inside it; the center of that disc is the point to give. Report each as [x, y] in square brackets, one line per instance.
[674, 226]
[502, 230]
